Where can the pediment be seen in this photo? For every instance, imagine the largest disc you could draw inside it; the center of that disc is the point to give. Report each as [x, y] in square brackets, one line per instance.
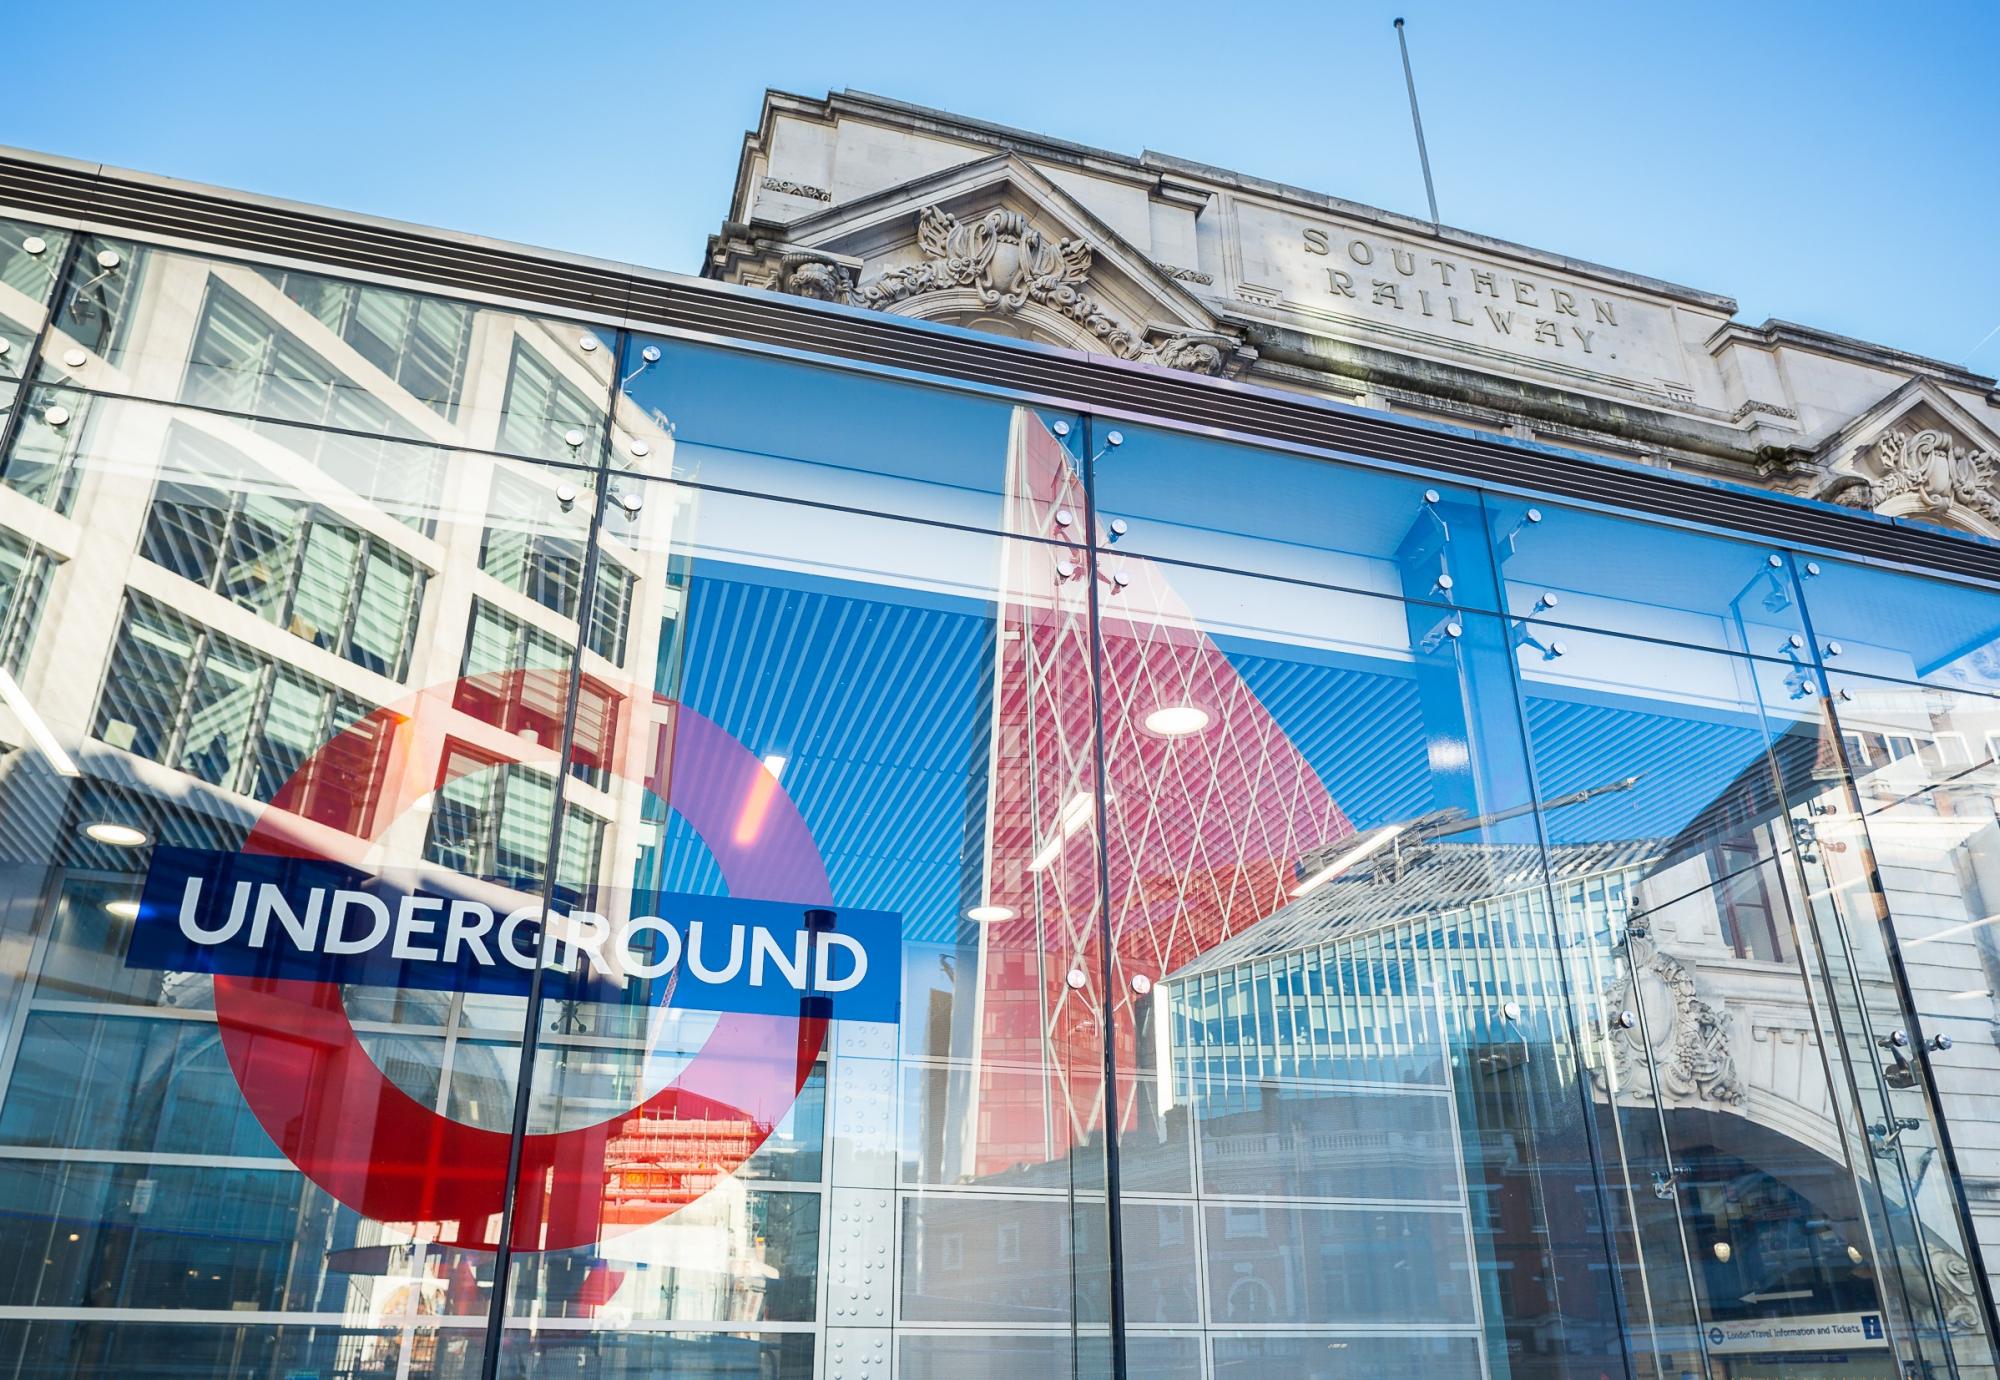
[1916, 453]
[993, 245]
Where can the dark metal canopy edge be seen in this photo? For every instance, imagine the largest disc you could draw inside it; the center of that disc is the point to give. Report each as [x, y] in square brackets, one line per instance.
[145, 205]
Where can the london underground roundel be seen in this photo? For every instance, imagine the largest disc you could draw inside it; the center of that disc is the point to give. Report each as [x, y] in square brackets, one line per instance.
[287, 922]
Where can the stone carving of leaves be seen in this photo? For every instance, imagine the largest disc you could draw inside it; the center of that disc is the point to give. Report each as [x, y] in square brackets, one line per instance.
[1009, 263]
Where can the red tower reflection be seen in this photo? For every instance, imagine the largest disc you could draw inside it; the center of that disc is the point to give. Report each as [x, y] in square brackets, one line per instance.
[1205, 813]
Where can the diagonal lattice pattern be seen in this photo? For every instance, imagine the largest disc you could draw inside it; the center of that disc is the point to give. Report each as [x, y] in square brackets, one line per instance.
[1202, 833]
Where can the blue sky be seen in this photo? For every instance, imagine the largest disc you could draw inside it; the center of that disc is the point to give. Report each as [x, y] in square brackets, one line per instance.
[1831, 163]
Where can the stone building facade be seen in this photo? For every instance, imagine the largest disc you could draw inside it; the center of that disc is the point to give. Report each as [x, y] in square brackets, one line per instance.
[857, 199]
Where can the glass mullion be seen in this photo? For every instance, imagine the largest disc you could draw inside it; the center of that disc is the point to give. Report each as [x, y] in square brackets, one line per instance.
[554, 845]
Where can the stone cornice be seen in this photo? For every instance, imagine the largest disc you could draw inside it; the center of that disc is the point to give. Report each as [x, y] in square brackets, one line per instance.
[1152, 168]
[883, 109]
[1627, 423]
[1775, 333]
[232, 223]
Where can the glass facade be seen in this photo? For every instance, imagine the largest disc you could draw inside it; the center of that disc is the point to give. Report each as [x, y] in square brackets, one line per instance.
[531, 848]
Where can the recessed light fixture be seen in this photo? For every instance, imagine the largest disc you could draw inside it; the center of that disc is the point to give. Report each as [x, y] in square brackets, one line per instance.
[1076, 813]
[774, 763]
[990, 914]
[1970, 994]
[117, 835]
[124, 910]
[1177, 720]
[17, 700]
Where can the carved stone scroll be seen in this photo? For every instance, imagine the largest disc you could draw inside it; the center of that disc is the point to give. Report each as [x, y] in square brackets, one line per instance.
[1008, 263]
[1689, 1037]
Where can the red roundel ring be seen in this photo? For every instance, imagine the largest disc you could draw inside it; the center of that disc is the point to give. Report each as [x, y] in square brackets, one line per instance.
[373, 1147]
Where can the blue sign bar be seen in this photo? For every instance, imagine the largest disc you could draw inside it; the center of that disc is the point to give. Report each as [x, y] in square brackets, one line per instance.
[302, 920]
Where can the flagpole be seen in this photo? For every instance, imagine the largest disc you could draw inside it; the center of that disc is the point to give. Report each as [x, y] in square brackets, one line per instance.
[1423, 155]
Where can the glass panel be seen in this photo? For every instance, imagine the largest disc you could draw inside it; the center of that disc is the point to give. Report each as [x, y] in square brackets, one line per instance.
[1910, 627]
[1717, 1012]
[706, 416]
[853, 850]
[221, 1103]
[222, 702]
[30, 257]
[237, 513]
[359, 360]
[420, 342]
[385, 611]
[1337, 974]
[1161, 493]
[101, 1350]
[56, 425]
[147, 680]
[1916, 843]
[327, 573]
[25, 567]
[1580, 569]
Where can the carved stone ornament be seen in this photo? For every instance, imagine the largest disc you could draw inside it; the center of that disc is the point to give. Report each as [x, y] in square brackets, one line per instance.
[811, 193]
[1008, 263]
[1764, 409]
[1689, 1037]
[1930, 465]
[1956, 1290]
[809, 275]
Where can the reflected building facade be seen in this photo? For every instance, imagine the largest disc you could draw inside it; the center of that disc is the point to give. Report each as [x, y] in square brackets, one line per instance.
[1360, 898]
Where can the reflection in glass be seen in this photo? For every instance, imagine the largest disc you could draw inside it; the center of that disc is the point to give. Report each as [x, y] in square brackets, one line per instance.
[1581, 569]
[213, 631]
[30, 258]
[846, 712]
[1497, 978]
[1915, 842]
[1205, 502]
[1722, 1009]
[1330, 916]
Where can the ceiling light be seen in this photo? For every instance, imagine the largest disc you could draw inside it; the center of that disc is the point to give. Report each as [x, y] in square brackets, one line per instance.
[117, 835]
[1076, 812]
[1177, 720]
[59, 761]
[1369, 844]
[1970, 994]
[774, 762]
[124, 910]
[1723, 1250]
[991, 914]
[1043, 860]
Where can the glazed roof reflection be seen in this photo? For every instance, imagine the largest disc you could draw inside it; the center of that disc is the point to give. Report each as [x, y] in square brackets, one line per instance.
[1443, 881]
